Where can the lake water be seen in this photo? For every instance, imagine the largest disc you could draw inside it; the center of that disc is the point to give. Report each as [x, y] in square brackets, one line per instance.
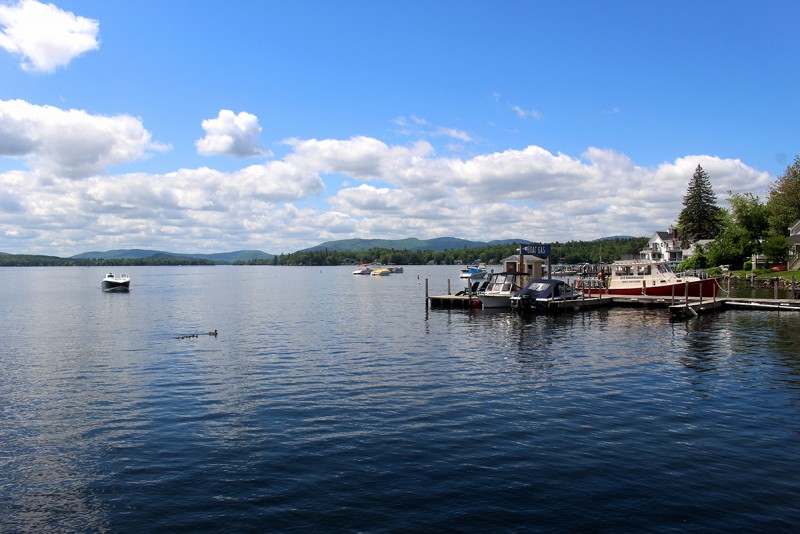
[338, 403]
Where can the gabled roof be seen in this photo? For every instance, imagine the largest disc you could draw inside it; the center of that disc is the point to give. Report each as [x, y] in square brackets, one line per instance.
[528, 258]
[665, 236]
[794, 229]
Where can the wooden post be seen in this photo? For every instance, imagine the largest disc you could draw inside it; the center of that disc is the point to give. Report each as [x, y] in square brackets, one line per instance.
[644, 287]
[426, 293]
[775, 287]
[448, 286]
[686, 292]
[672, 299]
[793, 289]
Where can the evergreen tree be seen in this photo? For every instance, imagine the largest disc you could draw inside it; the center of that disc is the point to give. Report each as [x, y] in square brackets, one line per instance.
[701, 217]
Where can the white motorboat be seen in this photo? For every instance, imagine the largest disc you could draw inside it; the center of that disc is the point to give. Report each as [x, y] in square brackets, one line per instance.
[363, 269]
[118, 283]
[500, 287]
[473, 272]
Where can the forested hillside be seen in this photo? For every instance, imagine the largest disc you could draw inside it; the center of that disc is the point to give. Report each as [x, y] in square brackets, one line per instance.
[571, 252]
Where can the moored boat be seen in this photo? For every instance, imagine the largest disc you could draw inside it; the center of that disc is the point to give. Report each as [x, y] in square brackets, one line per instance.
[112, 283]
[500, 287]
[364, 268]
[648, 277]
[473, 272]
[380, 272]
[539, 294]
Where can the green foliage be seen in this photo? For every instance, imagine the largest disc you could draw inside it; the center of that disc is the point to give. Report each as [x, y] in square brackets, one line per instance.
[26, 260]
[783, 203]
[751, 216]
[700, 217]
[731, 247]
[411, 243]
[776, 249]
[571, 252]
[699, 260]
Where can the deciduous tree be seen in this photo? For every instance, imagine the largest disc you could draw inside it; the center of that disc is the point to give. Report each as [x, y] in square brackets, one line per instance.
[783, 202]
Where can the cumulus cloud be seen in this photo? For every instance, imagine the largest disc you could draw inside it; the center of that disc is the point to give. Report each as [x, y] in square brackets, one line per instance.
[366, 199]
[362, 158]
[279, 206]
[44, 36]
[231, 135]
[70, 143]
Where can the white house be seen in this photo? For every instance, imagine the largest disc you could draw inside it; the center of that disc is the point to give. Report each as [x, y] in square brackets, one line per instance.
[664, 246]
[794, 243]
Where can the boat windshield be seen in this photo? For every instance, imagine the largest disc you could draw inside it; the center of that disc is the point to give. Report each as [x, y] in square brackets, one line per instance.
[539, 286]
[501, 282]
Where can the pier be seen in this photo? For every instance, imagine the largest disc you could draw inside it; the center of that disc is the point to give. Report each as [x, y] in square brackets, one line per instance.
[679, 307]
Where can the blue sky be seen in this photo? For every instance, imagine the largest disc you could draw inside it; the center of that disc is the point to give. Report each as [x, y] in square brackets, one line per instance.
[200, 126]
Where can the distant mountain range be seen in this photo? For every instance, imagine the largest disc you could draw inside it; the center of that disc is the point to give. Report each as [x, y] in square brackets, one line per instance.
[412, 243]
[434, 245]
[222, 257]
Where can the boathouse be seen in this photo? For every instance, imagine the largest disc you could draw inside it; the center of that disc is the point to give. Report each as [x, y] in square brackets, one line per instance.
[532, 265]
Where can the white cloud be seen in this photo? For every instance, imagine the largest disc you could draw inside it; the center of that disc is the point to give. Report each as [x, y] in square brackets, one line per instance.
[231, 135]
[420, 127]
[406, 191]
[454, 133]
[366, 199]
[527, 113]
[44, 36]
[362, 158]
[70, 143]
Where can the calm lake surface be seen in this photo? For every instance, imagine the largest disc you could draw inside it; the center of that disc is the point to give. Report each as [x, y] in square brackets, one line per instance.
[338, 403]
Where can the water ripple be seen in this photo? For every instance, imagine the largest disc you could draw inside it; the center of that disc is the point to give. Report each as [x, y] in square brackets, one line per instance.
[355, 409]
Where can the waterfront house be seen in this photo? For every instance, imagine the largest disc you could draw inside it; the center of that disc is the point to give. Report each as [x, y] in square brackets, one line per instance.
[794, 243]
[665, 246]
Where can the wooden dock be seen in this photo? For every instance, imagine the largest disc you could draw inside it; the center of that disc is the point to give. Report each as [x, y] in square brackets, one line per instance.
[679, 307]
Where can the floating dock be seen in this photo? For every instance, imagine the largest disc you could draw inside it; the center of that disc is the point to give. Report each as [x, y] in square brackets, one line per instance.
[679, 307]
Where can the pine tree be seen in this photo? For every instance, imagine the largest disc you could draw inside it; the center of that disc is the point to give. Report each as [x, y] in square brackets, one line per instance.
[700, 218]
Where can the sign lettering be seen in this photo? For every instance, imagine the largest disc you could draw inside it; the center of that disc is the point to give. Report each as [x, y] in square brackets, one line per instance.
[538, 250]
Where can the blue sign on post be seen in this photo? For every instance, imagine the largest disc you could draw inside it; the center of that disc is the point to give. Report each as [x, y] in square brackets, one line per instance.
[538, 250]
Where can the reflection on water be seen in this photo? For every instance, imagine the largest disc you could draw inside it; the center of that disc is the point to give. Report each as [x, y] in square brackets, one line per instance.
[338, 402]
